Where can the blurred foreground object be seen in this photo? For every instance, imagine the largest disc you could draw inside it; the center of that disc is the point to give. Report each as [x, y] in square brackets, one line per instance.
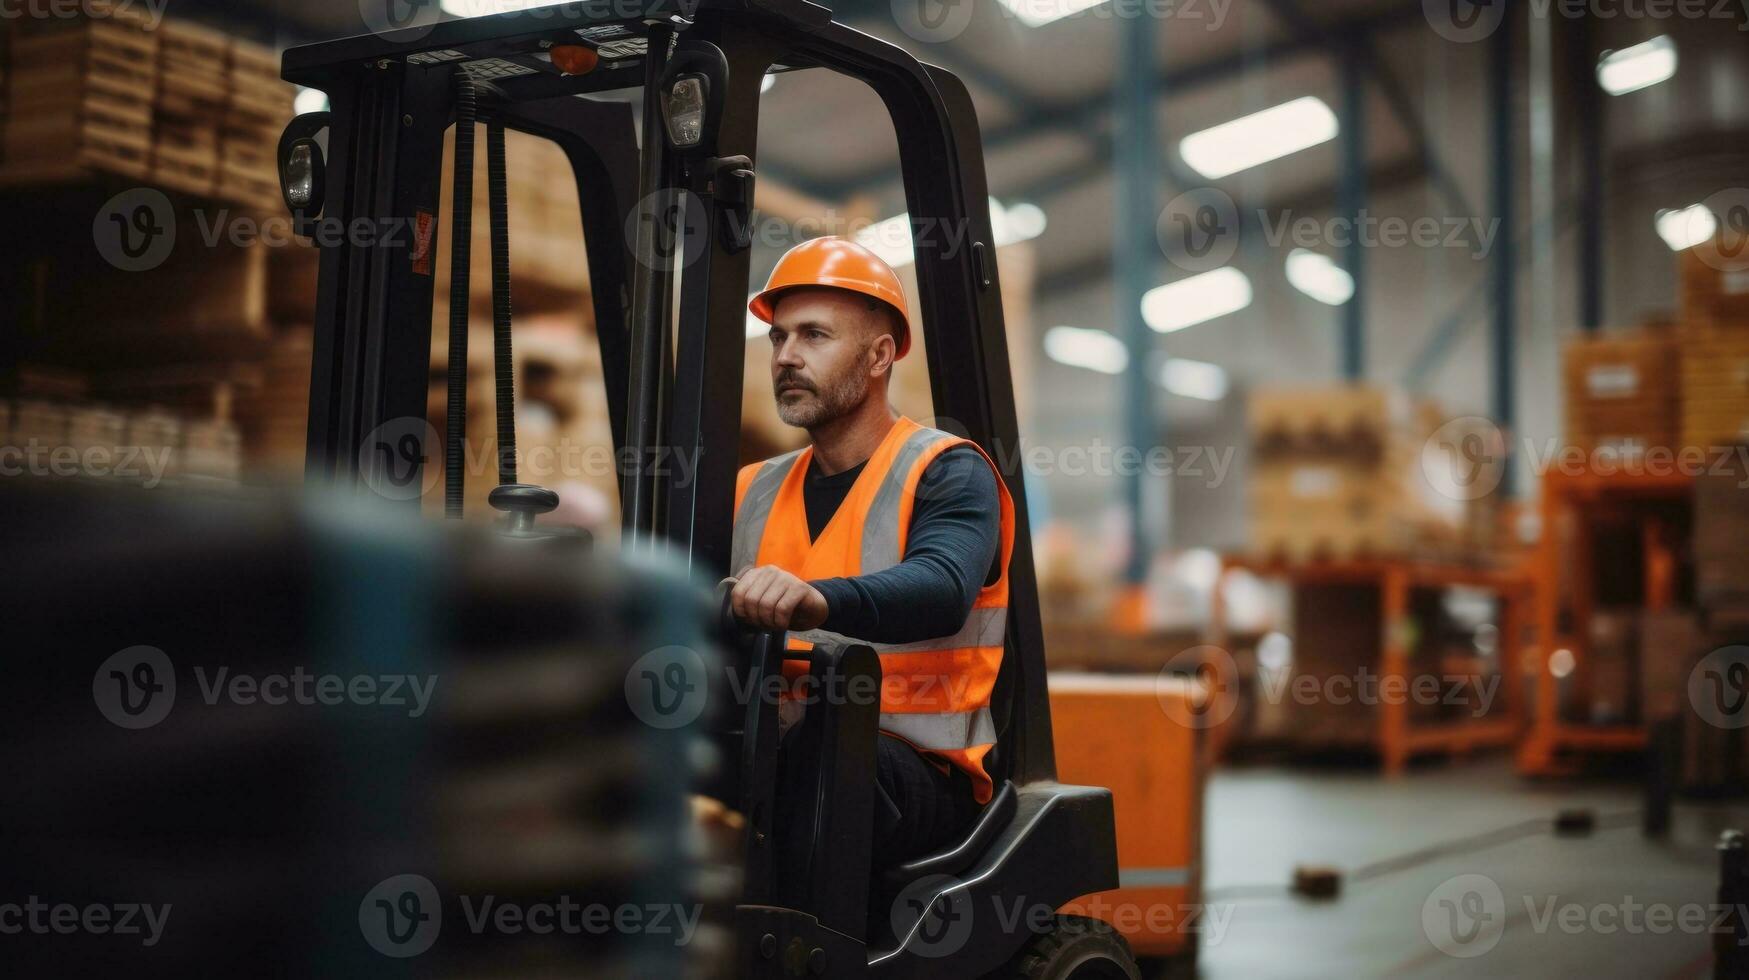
[317, 740]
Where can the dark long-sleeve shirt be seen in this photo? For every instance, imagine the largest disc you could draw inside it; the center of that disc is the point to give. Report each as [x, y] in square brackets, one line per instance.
[951, 551]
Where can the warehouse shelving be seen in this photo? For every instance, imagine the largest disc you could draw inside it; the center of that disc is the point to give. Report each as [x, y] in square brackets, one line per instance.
[1394, 735]
[1574, 500]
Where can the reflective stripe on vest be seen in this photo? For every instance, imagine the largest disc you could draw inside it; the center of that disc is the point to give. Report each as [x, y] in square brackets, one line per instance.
[922, 679]
[756, 509]
[880, 526]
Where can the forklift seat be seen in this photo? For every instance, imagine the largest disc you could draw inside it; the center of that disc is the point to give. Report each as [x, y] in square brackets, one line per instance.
[991, 821]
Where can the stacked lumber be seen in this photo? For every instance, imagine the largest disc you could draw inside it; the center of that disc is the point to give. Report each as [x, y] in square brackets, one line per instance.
[274, 418]
[258, 107]
[191, 96]
[80, 92]
[1338, 474]
[549, 266]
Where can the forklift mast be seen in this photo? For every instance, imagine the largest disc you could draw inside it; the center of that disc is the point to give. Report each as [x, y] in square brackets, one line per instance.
[393, 97]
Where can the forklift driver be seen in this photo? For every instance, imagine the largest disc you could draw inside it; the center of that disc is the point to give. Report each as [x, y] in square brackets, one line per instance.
[881, 531]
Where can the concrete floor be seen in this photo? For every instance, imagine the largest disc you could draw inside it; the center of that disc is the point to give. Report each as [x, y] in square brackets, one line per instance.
[1541, 907]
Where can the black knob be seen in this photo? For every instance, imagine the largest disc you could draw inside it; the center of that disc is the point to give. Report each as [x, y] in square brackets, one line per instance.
[523, 502]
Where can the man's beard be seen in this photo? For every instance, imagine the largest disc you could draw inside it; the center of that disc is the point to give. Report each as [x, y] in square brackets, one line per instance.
[832, 400]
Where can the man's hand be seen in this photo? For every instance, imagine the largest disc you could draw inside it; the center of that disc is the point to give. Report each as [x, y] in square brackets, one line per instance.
[769, 598]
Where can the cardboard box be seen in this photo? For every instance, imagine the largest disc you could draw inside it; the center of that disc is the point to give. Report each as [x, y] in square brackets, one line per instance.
[1713, 282]
[1715, 387]
[1621, 391]
[1670, 642]
[1337, 472]
[1721, 526]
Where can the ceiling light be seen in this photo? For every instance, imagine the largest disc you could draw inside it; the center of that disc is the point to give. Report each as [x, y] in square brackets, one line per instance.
[767, 83]
[1188, 302]
[1318, 277]
[1635, 68]
[310, 100]
[1684, 228]
[1096, 350]
[1260, 137]
[1024, 221]
[891, 238]
[481, 8]
[1194, 379]
[1037, 13]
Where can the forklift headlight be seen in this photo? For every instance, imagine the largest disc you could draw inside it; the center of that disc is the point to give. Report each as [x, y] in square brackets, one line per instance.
[683, 110]
[301, 177]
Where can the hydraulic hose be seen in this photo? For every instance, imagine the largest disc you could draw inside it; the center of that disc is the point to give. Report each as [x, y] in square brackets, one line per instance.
[503, 365]
[460, 255]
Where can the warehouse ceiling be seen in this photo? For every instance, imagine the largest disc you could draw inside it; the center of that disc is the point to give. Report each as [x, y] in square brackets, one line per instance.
[1045, 97]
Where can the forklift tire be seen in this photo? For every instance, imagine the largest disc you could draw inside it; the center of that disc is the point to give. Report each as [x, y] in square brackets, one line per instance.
[1076, 947]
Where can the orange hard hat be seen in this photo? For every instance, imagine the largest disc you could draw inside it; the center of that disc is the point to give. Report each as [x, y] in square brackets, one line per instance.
[841, 264]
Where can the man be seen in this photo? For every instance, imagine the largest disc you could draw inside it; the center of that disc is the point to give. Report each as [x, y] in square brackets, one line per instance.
[880, 530]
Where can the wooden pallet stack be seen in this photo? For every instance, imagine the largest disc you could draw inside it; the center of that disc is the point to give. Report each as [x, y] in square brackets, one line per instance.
[274, 418]
[257, 109]
[1338, 474]
[80, 92]
[549, 265]
[1622, 395]
[192, 89]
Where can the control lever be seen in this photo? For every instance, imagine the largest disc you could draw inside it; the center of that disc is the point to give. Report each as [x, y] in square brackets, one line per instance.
[732, 185]
[523, 503]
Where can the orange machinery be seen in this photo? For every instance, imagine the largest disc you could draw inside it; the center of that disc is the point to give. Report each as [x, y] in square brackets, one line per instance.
[1564, 603]
[1393, 736]
[1141, 736]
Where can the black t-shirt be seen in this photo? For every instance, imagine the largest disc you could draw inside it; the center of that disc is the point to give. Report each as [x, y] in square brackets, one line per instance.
[953, 549]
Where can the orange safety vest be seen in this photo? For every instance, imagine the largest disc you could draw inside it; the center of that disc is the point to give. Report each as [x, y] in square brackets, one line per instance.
[935, 694]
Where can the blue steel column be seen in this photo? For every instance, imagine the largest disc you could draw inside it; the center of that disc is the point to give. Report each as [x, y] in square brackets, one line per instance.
[1134, 245]
[1351, 201]
[1588, 128]
[1504, 332]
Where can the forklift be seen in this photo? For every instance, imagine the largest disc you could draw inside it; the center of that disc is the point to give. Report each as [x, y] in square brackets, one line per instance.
[672, 356]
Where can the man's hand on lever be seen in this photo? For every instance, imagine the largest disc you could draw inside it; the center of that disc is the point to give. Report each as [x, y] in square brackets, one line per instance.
[769, 598]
